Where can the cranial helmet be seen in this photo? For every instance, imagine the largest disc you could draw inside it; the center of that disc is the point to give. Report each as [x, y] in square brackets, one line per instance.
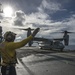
[9, 36]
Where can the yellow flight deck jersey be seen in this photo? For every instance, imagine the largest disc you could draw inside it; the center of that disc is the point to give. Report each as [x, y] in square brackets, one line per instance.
[7, 50]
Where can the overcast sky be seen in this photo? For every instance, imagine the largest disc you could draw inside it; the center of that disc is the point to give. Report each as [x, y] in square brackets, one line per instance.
[53, 15]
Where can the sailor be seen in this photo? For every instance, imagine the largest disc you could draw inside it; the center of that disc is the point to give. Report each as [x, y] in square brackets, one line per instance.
[8, 53]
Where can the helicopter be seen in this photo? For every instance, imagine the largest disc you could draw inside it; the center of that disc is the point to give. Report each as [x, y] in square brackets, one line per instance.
[54, 44]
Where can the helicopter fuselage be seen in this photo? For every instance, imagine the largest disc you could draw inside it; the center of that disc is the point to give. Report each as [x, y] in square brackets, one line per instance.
[52, 45]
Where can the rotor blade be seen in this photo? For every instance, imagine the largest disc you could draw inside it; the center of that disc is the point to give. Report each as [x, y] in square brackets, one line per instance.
[65, 32]
[25, 29]
[21, 28]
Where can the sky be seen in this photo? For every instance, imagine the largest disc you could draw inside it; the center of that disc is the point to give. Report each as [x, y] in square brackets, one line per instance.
[50, 15]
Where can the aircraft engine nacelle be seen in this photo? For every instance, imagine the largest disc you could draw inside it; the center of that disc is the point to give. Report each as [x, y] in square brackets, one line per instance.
[66, 40]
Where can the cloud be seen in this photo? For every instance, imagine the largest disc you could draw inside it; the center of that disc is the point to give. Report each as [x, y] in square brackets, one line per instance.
[50, 7]
[37, 18]
[19, 19]
[70, 22]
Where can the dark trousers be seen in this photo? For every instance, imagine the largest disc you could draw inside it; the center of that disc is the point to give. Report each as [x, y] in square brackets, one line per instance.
[8, 70]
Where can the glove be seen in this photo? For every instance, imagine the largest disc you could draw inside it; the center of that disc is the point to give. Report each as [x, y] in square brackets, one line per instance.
[35, 31]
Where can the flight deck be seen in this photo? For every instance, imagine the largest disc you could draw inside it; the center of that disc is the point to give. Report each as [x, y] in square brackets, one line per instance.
[34, 61]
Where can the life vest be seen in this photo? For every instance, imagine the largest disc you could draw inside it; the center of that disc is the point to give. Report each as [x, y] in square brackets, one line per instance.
[6, 57]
